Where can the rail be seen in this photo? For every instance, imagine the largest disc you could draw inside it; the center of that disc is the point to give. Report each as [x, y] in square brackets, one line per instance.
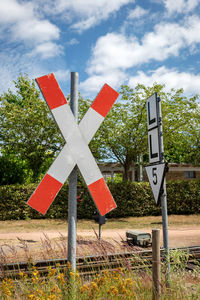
[91, 265]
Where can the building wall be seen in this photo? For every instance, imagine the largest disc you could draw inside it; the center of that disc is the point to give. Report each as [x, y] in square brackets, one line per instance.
[177, 175]
[176, 172]
[180, 176]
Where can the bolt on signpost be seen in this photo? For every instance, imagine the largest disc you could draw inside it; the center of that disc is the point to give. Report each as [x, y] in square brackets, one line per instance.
[75, 152]
[157, 168]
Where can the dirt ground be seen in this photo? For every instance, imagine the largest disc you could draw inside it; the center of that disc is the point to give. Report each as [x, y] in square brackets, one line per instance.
[177, 237]
[50, 243]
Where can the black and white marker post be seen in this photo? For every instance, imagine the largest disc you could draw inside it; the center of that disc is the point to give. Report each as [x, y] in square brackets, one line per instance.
[157, 168]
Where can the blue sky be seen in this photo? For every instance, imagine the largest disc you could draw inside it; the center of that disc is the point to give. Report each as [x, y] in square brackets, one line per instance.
[116, 41]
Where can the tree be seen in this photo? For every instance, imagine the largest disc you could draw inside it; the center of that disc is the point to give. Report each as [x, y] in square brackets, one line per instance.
[181, 119]
[123, 135]
[30, 135]
[12, 170]
[28, 130]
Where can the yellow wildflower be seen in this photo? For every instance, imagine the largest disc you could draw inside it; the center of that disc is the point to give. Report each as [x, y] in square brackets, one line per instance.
[128, 282]
[21, 274]
[84, 288]
[7, 282]
[7, 291]
[35, 279]
[71, 274]
[40, 293]
[93, 285]
[55, 289]
[69, 265]
[61, 278]
[51, 272]
[36, 273]
[105, 273]
[52, 297]
[100, 280]
[113, 290]
[31, 297]
[122, 288]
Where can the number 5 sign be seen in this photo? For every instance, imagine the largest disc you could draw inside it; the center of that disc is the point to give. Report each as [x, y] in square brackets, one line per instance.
[156, 175]
[157, 168]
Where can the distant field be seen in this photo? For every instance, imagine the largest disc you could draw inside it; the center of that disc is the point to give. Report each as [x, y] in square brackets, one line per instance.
[174, 221]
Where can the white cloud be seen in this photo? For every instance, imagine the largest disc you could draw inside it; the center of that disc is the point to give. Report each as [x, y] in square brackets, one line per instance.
[12, 11]
[89, 12]
[35, 30]
[172, 78]
[62, 75]
[180, 6]
[137, 13]
[23, 22]
[73, 42]
[12, 63]
[112, 51]
[95, 82]
[47, 50]
[117, 52]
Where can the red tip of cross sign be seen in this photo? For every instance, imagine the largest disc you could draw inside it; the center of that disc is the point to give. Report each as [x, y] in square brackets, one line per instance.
[46, 191]
[51, 91]
[101, 106]
[97, 189]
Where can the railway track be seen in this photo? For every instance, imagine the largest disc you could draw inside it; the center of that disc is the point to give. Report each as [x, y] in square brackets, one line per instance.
[91, 265]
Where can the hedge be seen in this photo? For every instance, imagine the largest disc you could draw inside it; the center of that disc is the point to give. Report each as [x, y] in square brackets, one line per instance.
[132, 198]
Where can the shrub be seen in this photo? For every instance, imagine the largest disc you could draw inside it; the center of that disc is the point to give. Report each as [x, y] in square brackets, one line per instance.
[132, 198]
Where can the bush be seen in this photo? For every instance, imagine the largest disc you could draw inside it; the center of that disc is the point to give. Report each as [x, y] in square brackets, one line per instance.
[132, 198]
[12, 170]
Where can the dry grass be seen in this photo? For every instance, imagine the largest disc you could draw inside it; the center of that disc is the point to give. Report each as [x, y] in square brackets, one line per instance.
[174, 221]
[57, 248]
[38, 245]
[117, 284]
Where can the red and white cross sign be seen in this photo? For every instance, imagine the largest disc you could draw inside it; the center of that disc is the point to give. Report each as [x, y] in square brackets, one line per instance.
[76, 150]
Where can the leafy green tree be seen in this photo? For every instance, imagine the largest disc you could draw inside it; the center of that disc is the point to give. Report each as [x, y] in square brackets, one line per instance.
[12, 170]
[123, 135]
[28, 130]
[29, 133]
[181, 119]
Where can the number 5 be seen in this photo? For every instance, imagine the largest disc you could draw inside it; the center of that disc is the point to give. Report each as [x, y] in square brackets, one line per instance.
[155, 178]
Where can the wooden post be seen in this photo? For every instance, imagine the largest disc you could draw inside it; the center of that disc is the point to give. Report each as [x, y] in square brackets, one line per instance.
[156, 264]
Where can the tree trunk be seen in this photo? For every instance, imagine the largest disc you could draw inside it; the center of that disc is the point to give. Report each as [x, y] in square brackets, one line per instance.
[126, 172]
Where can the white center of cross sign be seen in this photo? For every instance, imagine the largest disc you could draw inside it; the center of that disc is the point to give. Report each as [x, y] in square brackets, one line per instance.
[76, 150]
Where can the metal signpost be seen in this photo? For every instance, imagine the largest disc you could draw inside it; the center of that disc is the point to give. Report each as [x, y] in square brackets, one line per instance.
[157, 168]
[75, 152]
[72, 196]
